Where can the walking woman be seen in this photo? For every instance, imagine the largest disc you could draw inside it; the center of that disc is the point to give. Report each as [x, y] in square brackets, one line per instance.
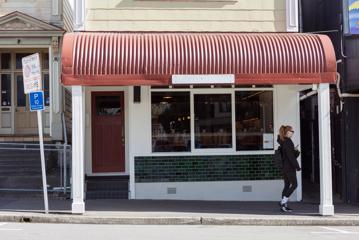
[290, 165]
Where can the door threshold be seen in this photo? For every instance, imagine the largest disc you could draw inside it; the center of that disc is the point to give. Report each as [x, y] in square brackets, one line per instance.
[107, 174]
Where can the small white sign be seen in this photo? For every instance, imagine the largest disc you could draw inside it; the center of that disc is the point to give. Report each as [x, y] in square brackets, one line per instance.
[268, 141]
[31, 73]
[203, 79]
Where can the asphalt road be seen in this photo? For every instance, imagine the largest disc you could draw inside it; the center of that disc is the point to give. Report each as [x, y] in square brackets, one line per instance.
[36, 231]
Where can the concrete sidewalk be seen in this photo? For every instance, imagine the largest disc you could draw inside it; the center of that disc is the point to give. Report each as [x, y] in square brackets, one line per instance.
[175, 212]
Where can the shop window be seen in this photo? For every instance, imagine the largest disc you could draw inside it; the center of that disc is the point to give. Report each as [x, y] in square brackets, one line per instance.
[46, 89]
[21, 97]
[213, 121]
[45, 61]
[19, 57]
[5, 90]
[254, 120]
[170, 121]
[5, 61]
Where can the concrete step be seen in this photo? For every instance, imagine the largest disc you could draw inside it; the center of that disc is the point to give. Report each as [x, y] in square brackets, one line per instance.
[107, 185]
[107, 195]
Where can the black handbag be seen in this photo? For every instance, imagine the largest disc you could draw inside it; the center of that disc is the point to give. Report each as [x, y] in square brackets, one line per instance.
[278, 158]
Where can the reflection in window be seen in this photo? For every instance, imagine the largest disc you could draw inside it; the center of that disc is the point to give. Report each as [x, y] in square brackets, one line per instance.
[108, 105]
[5, 90]
[170, 121]
[46, 89]
[45, 61]
[19, 57]
[21, 97]
[213, 120]
[254, 120]
[5, 61]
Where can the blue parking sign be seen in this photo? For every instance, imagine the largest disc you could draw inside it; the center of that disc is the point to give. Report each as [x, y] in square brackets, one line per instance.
[36, 101]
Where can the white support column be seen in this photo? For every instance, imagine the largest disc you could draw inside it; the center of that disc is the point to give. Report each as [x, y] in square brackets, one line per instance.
[78, 149]
[326, 207]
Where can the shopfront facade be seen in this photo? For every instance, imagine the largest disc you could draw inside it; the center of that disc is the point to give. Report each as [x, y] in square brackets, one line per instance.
[192, 116]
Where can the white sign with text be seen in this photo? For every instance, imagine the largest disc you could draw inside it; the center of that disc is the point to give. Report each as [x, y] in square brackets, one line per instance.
[31, 73]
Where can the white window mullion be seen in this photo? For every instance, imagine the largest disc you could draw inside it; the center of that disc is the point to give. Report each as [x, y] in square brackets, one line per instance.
[192, 120]
[234, 144]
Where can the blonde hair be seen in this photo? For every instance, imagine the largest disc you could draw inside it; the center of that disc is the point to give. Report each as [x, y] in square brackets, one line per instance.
[283, 131]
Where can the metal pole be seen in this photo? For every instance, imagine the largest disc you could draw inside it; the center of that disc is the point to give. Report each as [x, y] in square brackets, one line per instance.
[65, 166]
[43, 168]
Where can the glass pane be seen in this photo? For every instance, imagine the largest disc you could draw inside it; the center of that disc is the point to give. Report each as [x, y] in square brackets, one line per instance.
[46, 89]
[5, 90]
[19, 57]
[171, 122]
[213, 120]
[5, 61]
[21, 97]
[254, 120]
[45, 61]
[108, 105]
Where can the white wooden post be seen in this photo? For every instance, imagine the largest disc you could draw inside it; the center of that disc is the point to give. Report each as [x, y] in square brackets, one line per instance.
[326, 207]
[78, 149]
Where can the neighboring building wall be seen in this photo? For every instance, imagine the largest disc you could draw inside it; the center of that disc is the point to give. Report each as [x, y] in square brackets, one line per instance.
[68, 15]
[40, 9]
[48, 11]
[220, 15]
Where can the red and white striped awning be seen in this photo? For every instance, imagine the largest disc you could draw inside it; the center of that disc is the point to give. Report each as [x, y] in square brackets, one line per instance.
[117, 59]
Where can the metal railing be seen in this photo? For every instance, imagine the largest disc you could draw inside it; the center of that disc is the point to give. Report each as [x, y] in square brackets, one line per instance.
[64, 166]
[63, 163]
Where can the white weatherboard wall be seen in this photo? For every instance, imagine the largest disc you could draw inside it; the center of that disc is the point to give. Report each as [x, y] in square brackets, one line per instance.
[193, 15]
[286, 111]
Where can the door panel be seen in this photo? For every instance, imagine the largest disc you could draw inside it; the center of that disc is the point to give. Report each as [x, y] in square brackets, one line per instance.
[108, 132]
[25, 121]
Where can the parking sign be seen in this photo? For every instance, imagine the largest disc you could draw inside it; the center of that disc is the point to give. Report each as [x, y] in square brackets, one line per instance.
[31, 73]
[36, 101]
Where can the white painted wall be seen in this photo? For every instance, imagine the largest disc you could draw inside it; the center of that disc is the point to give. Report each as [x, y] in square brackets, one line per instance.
[212, 191]
[286, 112]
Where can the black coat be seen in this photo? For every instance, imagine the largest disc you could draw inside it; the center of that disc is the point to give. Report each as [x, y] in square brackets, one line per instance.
[289, 155]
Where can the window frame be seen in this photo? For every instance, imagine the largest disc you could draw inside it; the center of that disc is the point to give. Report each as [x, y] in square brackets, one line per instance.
[151, 139]
[210, 151]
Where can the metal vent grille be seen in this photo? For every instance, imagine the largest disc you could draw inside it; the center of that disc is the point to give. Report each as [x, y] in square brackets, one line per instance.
[247, 188]
[171, 190]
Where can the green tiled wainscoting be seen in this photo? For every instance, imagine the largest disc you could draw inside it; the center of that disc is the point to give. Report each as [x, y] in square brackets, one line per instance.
[205, 168]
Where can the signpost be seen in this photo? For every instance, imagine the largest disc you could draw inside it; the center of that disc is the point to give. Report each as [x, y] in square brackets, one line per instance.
[33, 85]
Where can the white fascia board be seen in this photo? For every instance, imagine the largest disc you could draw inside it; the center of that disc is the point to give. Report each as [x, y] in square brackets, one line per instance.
[203, 79]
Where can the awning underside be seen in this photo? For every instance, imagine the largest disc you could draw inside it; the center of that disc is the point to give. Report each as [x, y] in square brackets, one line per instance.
[118, 59]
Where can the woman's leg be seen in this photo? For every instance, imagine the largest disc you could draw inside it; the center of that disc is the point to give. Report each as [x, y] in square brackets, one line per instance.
[286, 185]
[292, 178]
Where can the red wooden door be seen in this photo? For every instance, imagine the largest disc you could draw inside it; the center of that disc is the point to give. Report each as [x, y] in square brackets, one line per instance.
[108, 132]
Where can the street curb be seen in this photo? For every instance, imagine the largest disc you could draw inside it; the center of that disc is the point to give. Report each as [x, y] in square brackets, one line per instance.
[319, 221]
[85, 219]
[71, 219]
